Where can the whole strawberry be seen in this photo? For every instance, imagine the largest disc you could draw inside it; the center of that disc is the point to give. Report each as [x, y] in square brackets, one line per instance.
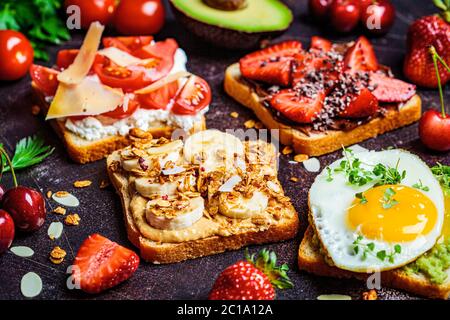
[422, 34]
[251, 279]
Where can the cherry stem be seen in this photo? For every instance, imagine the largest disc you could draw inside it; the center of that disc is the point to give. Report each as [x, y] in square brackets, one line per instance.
[435, 56]
[3, 152]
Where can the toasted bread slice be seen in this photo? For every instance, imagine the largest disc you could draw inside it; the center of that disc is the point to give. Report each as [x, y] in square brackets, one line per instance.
[310, 259]
[84, 151]
[162, 253]
[318, 144]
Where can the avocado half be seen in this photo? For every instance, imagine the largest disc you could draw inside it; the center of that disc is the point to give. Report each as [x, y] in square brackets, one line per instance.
[243, 28]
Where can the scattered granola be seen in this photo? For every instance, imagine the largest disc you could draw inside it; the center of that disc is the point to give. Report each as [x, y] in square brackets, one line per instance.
[294, 179]
[140, 134]
[57, 255]
[60, 210]
[104, 184]
[82, 183]
[259, 125]
[72, 219]
[234, 114]
[370, 295]
[35, 109]
[287, 150]
[61, 194]
[49, 194]
[301, 157]
[249, 124]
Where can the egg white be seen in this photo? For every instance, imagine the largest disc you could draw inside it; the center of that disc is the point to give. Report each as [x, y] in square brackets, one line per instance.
[329, 202]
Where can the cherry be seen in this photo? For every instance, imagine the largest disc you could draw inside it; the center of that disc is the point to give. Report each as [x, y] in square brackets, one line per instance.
[2, 192]
[319, 8]
[26, 206]
[377, 16]
[345, 14]
[434, 130]
[6, 231]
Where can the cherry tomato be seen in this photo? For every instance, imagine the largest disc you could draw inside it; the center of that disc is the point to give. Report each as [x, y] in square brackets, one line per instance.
[128, 79]
[160, 98]
[195, 96]
[16, 55]
[45, 79]
[138, 17]
[66, 57]
[93, 10]
[378, 17]
[345, 14]
[127, 44]
[120, 112]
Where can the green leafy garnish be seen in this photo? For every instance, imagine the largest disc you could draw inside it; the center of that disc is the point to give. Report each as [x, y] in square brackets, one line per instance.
[442, 174]
[388, 175]
[29, 151]
[361, 197]
[388, 201]
[419, 185]
[369, 248]
[352, 169]
[329, 174]
[38, 20]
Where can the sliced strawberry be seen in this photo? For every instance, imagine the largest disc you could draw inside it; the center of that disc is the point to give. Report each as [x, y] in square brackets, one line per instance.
[314, 67]
[390, 89]
[298, 108]
[363, 105]
[271, 65]
[101, 264]
[361, 56]
[321, 44]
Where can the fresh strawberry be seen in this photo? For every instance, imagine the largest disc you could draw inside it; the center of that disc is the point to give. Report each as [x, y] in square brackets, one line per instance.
[271, 65]
[422, 34]
[321, 44]
[361, 56]
[362, 105]
[251, 279]
[390, 89]
[314, 66]
[102, 264]
[298, 107]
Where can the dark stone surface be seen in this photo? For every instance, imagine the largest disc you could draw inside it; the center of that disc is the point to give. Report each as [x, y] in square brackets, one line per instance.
[101, 212]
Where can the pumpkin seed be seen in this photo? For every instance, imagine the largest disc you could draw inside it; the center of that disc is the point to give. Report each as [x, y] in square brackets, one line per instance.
[55, 230]
[31, 285]
[334, 297]
[22, 251]
[69, 200]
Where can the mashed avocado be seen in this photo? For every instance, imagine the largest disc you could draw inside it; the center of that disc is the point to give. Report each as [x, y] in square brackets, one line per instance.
[433, 264]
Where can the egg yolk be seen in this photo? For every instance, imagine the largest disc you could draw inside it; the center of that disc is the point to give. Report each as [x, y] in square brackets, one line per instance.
[399, 214]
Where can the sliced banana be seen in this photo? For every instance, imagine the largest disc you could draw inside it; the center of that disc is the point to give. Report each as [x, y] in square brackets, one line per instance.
[238, 207]
[148, 189]
[213, 149]
[131, 164]
[181, 219]
[174, 146]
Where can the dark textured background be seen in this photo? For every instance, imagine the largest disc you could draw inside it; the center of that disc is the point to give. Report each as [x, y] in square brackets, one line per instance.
[101, 212]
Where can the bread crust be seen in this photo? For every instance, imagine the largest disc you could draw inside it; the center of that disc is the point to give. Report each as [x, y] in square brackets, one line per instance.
[311, 260]
[319, 143]
[84, 151]
[162, 253]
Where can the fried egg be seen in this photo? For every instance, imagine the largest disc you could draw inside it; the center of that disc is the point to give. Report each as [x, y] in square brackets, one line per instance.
[376, 226]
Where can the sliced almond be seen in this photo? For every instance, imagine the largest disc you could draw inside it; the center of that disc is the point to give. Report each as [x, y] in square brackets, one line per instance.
[60, 210]
[82, 183]
[72, 219]
[287, 150]
[249, 124]
[234, 114]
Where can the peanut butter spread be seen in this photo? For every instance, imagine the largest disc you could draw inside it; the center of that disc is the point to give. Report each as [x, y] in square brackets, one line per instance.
[211, 185]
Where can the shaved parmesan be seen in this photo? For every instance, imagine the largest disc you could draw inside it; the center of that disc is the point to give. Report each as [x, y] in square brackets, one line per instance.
[162, 82]
[89, 98]
[78, 70]
[122, 58]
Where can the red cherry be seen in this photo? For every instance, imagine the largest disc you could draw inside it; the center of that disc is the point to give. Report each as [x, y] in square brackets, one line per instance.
[345, 14]
[6, 231]
[434, 130]
[319, 8]
[26, 206]
[2, 192]
[378, 16]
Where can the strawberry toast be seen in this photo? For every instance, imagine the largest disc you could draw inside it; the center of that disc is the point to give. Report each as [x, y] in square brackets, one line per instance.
[94, 97]
[321, 99]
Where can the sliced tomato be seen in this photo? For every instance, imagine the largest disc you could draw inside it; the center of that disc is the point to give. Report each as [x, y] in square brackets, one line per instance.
[160, 98]
[321, 44]
[66, 57]
[297, 107]
[45, 79]
[128, 44]
[128, 79]
[195, 96]
[361, 56]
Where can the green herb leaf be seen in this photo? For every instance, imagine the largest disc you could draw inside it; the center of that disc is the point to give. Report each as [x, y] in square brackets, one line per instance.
[381, 255]
[398, 248]
[329, 174]
[29, 151]
[388, 201]
[442, 174]
[419, 185]
[362, 197]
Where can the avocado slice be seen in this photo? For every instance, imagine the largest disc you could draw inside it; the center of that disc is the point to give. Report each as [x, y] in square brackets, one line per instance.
[242, 28]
